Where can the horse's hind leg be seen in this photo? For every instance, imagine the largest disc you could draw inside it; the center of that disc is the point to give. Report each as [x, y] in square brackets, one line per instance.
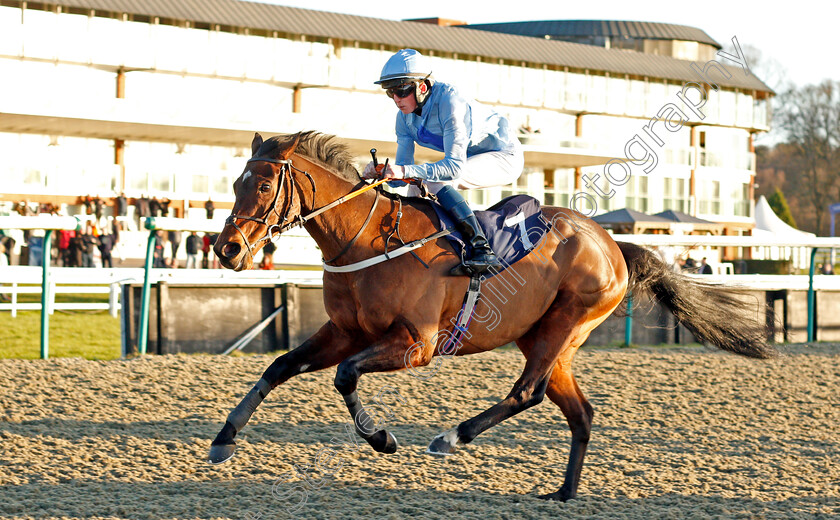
[564, 391]
[549, 348]
[326, 348]
[529, 390]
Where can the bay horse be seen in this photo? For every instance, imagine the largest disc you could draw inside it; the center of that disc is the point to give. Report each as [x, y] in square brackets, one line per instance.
[385, 317]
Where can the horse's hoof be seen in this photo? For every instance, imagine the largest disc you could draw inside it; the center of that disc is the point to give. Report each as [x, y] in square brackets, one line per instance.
[444, 444]
[221, 453]
[383, 442]
[560, 496]
[391, 445]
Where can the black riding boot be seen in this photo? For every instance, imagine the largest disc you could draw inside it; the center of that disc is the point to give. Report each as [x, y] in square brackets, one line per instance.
[482, 257]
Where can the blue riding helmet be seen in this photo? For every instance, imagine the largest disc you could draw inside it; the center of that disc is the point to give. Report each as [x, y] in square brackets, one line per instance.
[406, 66]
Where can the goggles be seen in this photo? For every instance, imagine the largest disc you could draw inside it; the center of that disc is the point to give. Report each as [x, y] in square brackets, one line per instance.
[401, 91]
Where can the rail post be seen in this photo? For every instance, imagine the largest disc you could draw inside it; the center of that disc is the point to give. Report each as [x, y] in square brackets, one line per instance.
[811, 298]
[143, 329]
[628, 321]
[45, 296]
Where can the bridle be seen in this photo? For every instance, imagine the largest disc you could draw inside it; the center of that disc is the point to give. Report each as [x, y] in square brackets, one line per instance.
[284, 223]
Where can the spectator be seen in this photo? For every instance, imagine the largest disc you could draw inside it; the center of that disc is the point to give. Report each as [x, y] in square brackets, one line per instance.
[141, 210]
[194, 243]
[205, 249]
[76, 250]
[164, 208]
[141, 207]
[98, 206]
[24, 210]
[115, 232]
[121, 205]
[175, 244]
[209, 207]
[213, 238]
[268, 256]
[4, 262]
[106, 244]
[8, 244]
[64, 237]
[87, 243]
[158, 255]
[827, 268]
[36, 251]
[154, 207]
[704, 267]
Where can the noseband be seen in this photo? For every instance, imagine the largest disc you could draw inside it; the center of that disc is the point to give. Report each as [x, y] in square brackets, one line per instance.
[283, 222]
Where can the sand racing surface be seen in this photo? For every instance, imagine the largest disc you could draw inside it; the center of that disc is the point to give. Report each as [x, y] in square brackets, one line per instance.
[678, 433]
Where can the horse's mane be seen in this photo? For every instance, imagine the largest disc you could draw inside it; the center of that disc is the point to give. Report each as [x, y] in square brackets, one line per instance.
[323, 148]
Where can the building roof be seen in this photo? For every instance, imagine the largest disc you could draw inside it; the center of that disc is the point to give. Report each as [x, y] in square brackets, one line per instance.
[685, 218]
[629, 216]
[422, 36]
[607, 28]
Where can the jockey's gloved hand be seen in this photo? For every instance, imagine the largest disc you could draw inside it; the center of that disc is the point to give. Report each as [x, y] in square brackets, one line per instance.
[371, 171]
[382, 171]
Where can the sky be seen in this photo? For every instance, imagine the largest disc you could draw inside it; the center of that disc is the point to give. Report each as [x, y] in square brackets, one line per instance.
[798, 36]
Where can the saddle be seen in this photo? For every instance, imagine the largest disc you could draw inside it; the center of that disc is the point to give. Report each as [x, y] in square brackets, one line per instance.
[512, 226]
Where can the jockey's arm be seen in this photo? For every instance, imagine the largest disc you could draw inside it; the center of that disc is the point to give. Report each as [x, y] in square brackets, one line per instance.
[456, 137]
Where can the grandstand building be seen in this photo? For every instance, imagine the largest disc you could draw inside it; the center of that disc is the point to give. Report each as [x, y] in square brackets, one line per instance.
[102, 97]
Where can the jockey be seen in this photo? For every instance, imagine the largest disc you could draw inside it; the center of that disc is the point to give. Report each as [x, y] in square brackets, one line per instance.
[480, 148]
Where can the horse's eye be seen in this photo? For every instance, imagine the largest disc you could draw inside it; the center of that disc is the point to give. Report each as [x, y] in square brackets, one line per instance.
[265, 187]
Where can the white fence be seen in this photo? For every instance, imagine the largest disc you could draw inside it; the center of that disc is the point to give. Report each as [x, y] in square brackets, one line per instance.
[15, 280]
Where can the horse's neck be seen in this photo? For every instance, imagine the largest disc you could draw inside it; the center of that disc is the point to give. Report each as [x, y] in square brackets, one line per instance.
[336, 227]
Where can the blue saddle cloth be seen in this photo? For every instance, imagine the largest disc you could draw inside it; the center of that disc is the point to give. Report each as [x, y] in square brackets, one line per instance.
[512, 226]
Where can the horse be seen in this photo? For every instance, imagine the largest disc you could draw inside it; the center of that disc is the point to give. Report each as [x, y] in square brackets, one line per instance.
[386, 316]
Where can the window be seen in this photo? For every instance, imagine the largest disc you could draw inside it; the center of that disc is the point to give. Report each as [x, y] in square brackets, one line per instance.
[675, 196]
[558, 185]
[741, 199]
[33, 178]
[200, 183]
[222, 184]
[637, 193]
[709, 199]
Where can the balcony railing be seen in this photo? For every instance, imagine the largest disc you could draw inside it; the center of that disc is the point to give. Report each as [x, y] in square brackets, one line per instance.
[741, 161]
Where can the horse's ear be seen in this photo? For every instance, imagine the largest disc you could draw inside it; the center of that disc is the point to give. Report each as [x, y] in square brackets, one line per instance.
[256, 143]
[289, 150]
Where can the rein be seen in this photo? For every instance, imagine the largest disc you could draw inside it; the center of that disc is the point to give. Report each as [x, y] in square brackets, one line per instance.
[282, 226]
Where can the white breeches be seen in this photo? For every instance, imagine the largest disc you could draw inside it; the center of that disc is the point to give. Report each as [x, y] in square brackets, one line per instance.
[484, 171]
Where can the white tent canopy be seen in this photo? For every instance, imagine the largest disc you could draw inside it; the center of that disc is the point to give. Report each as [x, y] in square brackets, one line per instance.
[768, 224]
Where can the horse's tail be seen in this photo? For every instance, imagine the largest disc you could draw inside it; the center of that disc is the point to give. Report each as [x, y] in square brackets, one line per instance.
[713, 315]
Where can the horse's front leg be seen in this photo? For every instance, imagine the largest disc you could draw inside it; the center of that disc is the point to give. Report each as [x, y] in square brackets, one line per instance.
[387, 354]
[326, 348]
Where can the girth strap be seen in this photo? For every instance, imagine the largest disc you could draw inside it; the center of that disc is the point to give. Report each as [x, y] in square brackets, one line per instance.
[358, 266]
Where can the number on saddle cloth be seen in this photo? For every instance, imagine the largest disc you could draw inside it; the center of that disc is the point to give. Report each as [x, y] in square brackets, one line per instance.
[512, 226]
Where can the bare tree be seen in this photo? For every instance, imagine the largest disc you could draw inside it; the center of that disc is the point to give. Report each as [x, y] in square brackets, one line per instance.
[809, 117]
[773, 74]
[763, 66]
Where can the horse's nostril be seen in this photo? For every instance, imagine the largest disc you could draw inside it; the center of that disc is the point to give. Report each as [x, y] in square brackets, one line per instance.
[231, 249]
